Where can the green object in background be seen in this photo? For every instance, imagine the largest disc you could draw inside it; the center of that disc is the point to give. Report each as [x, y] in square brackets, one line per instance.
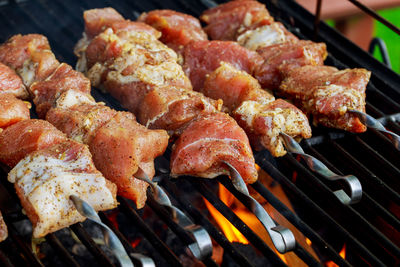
[391, 39]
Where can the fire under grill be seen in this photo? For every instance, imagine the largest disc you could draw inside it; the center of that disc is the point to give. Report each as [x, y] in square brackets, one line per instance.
[327, 232]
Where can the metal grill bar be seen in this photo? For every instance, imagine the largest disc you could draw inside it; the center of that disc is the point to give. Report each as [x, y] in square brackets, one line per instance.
[87, 240]
[159, 245]
[205, 191]
[299, 251]
[300, 224]
[381, 101]
[202, 220]
[325, 217]
[375, 15]
[62, 251]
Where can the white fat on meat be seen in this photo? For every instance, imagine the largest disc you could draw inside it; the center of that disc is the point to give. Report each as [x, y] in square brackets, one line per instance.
[279, 120]
[72, 98]
[47, 183]
[262, 36]
[27, 72]
[80, 52]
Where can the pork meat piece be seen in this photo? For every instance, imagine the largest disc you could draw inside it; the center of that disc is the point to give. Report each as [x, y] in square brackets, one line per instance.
[228, 20]
[45, 180]
[122, 145]
[327, 93]
[256, 111]
[171, 108]
[80, 121]
[12, 110]
[30, 56]
[11, 83]
[25, 137]
[234, 87]
[281, 58]
[203, 57]
[177, 29]
[209, 140]
[129, 64]
[264, 123]
[64, 78]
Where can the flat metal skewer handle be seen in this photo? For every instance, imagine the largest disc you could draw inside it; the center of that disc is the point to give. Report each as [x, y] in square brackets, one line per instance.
[282, 238]
[111, 240]
[202, 247]
[317, 166]
[370, 122]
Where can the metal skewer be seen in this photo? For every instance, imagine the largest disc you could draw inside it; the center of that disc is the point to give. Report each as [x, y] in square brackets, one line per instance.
[111, 240]
[370, 122]
[202, 247]
[320, 168]
[282, 238]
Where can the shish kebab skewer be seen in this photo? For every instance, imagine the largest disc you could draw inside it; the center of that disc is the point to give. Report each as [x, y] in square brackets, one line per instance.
[159, 94]
[218, 70]
[334, 98]
[46, 167]
[71, 109]
[62, 95]
[54, 179]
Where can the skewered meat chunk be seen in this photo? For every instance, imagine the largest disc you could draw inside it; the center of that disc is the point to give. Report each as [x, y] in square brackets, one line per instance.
[121, 146]
[97, 20]
[228, 20]
[203, 57]
[170, 108]
[45, 179]
[11, 83]
[64, 96]
[130, 64]
[30, 56]
[79, 122]
[177, 29]
[281, 58]
[64, 78]
[234, 87]
[24, 137]
[202, 146]
[328, 93]
[12, 110]
[256, 111]
[264, 123]
[135, 67]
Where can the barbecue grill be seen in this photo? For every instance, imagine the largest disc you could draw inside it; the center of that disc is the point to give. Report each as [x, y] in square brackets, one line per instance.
[368, 231]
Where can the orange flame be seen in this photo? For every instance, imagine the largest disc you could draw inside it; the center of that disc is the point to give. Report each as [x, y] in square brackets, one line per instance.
[230, 231]
[308, 241]
[342, 254]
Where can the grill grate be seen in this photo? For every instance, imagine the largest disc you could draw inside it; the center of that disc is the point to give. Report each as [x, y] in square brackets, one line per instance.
[370, 228]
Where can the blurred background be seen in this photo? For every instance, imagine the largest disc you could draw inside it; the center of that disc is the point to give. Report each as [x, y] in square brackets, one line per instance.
[361, 28]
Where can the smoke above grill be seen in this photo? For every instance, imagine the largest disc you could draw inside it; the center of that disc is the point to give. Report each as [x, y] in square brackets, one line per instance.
[328, 232]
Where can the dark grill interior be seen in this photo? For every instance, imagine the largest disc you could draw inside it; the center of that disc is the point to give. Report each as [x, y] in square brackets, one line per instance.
[370, 229]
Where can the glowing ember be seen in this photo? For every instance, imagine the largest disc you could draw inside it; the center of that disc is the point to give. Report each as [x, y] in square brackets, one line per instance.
[112, 216]
[342, 254]
[308, 241]
[230, 231]
[135, 242]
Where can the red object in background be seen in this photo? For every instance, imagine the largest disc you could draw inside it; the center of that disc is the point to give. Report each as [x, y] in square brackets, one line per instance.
[349, 19]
